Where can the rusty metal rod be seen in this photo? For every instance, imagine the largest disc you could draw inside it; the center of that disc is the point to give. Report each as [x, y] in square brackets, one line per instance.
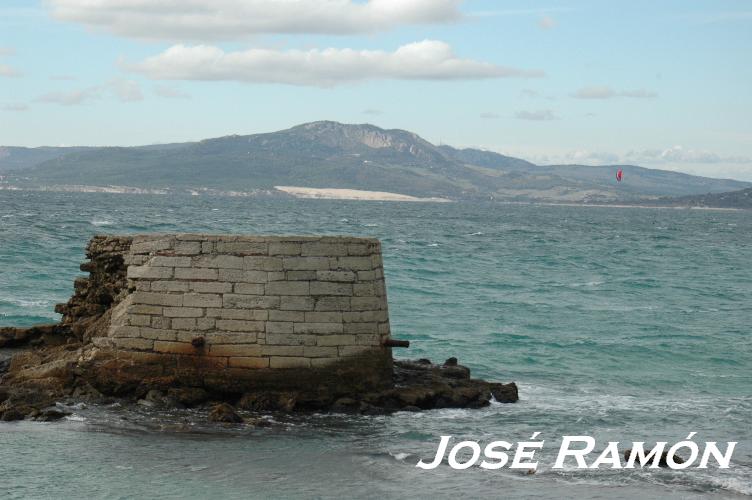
[396, 343]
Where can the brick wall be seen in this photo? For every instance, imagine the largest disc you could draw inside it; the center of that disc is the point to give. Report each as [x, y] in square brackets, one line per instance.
[255, 302]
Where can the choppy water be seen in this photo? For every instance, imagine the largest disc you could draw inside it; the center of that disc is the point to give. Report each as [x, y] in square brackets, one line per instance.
[626, 324]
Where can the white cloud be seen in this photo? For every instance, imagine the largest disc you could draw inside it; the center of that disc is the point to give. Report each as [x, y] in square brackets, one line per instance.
[15, 106]
[125, 90]
[490, 116]
[539, 115]
[118, 88]
[170, 92]
[426, 60]
[9, 72]
[679, 154]
[606, 92]
[71, 97]
[546, 22]
[183, 20]
[675, 155]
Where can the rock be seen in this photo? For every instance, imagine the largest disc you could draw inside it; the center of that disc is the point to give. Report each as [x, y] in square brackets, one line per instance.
[11, 415]
[346, 405]
[505, 393]
[451, 361]
[145, 403]
[154, 396]
[224, 413]
[52, 414]
[268, 401]
[188, 396]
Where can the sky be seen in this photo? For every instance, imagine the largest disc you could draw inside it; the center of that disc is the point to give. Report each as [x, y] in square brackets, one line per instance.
[660, 84]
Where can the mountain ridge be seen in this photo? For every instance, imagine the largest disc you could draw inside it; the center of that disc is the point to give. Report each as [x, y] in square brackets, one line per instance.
[328, 154]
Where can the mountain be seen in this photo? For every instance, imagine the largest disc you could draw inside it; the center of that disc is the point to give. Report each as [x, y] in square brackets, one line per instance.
[328, 154]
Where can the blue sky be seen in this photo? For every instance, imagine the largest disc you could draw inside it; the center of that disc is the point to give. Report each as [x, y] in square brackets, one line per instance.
[660, 84]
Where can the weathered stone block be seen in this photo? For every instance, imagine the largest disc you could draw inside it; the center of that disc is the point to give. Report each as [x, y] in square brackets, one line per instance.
[195, 274]
[361, 327]
[149, 272]
[353, 263]
[158, 299]
[202, 300]
[329, 288]
[175, 347]
[250, 288]
[300, 275]
[245, 314]
[365, 316]
[235, 350]
[158, 334]
[138, 344]
[289, 362]
[323, 317]
[366, 303]
[243, 247]
[139, 320]
[289, 339]
[333, 304]
[279, 315]
[306, 263]
[219, 261]
[343, 276]
[335, 340]
[323, 249]
[187, 248]
[319, 352]
[249, 362]
[233, 325]
[352, 350]
[318, 328]
[144, 309]
[183, 312]
[184, 323]
[169, 286]
[210, 287]
[263, 263]
[250, 302]
[298, 303]
[287, 288]
[168, 261]
[284, 248]
[283, 350]
[279, 327]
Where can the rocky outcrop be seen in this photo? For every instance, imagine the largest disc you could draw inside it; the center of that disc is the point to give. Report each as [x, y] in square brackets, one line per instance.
[157, 322]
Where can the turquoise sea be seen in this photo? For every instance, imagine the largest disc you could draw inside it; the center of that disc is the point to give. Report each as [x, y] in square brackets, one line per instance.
[626, 324]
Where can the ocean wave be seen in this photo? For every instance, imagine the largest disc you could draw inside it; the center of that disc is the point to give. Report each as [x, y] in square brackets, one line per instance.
[101, 222]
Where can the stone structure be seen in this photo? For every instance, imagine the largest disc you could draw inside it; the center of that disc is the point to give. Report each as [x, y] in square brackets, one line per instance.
[242, 306]
[253, 302]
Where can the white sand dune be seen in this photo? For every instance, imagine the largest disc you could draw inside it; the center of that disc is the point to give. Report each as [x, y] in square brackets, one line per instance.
[350, 194]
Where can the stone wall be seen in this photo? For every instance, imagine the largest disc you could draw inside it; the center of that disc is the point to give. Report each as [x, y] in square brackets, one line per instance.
[251, 302]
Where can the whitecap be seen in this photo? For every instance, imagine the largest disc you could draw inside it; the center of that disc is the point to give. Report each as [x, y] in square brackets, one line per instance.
[479, 233]
[399, 456]
[433, 244]
[101, 222]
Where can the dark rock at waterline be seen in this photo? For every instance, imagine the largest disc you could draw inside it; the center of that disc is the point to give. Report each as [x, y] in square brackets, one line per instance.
[51, 414]
[268, 401]
[225, 413]
[451, 361]
[663, 462]
[188, 396]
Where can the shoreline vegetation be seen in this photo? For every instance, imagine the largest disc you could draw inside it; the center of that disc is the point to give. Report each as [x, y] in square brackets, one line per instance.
[301, 192]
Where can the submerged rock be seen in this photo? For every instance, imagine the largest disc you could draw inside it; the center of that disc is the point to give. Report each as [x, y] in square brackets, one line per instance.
[225, 413]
